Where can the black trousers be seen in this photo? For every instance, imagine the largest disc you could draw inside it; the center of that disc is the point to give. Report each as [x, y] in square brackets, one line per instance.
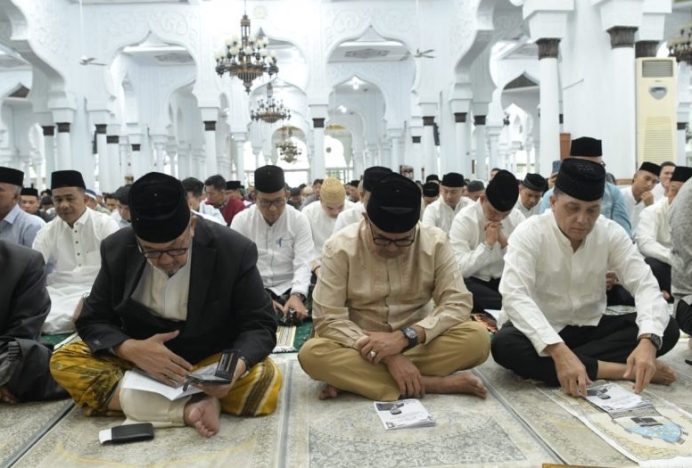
[683, 315]
[612, 340]
[661, 271]
[485, 295]
[618, 295]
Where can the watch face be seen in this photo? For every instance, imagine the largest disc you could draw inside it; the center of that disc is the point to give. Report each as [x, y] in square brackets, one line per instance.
[410, 333]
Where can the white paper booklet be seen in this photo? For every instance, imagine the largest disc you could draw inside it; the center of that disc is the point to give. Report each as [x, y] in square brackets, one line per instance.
[614, 399]
[403, 413]
[138, 381]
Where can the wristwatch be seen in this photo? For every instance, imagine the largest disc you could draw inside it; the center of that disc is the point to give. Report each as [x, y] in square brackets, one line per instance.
[300, 296]
[655, 339]
[412, 337]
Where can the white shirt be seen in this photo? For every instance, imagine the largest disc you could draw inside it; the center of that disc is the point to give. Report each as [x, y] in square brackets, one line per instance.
[351, 216]
[321, 225]
[546, 286]
[633, 208]
[285, 248]
[526, 212]
[74, 250]
[122, 223]
[653, 232]
[658, 192]
[467, 236]
[441, 215]
[165, 295]
[211, 213]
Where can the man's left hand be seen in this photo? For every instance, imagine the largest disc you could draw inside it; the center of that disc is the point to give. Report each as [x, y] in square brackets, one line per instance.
[296, 304]
[220, 391]
[648, 198]
[379, 345]
[641, 365]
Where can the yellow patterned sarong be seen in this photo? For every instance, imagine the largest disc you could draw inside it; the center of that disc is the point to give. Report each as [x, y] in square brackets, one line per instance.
[91, 381]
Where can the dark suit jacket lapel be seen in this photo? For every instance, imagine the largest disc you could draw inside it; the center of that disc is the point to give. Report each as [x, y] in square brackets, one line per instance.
[201, 275]
[133, 271]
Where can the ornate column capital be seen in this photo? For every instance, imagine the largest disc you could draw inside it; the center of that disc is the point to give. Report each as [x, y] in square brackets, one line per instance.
[101, 129]
[112, 139]
[210, 125]
[645, 49]
[428, 120]
[318, 122]
[63, 127]
[548, 48]
[136, 147]
[479, 119]
[622, 36]
[48, 130]
[460, 117]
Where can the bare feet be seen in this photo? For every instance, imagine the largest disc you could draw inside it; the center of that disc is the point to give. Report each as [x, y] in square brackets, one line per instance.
[203, 415]
[462, 382]
[328, 392]
[664, 374]
[7, 397]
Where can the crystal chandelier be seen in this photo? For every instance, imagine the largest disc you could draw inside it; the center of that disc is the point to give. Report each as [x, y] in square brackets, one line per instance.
[681, 47]
[246, 58]
[288, 150]
[270, 110]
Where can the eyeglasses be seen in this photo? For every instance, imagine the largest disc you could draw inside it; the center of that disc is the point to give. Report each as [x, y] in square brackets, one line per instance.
[279, 202]
[177, 252]
[382, 241]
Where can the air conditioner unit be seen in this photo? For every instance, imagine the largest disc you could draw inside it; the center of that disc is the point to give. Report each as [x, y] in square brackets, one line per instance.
[657, 99]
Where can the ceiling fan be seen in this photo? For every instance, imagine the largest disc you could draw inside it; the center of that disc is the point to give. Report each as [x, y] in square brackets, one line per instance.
[84, 60]
[424, 53]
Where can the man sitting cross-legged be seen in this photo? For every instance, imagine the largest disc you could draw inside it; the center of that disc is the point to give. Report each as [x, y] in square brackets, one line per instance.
[378, 333]
[553, 293]
[173, 292]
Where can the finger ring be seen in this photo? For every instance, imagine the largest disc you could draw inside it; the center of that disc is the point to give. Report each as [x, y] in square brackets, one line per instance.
[372, 354]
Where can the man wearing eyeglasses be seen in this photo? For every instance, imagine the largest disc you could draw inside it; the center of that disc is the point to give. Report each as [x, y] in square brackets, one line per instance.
[174, 291]
[284, 242]
[378, 333]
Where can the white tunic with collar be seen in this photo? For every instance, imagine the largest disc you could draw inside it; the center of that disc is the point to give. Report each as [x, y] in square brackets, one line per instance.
[321, 224]
[653, 233]
[73, 260]
[441, 215]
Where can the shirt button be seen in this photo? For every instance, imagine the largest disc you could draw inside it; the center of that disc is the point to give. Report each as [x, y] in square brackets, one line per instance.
[78, 254]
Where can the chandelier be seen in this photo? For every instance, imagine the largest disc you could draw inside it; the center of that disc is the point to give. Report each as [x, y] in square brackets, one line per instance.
[288, 150]
[246, 58]
[681, 47]
[270, 110]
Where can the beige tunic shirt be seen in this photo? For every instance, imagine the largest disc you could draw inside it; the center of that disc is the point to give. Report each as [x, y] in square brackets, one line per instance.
[358, 290]
[165, 295]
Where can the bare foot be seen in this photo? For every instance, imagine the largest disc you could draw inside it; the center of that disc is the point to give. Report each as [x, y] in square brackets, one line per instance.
[462, 382]
[203, 415]
[664, 374]
[328, 392]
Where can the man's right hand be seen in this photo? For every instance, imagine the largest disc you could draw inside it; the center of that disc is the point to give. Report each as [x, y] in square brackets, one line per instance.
[154, 358]
[571, 373]
[406, 375]
[492, 234]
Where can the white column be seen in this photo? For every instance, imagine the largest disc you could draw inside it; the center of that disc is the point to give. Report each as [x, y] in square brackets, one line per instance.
[125, 159]
[317, 168]
[428, 142]
[102, 151]
[138, 169]
[682, 143]
[481, 147]
[418, 171]
[395, 158]
[49, 150]
[64, 158]
[621, 150]
[550, 104]
[684, 102]
[494, 158]
[159, 153]
[110, 181]
[211, 165]
[239, 150]
[462, 162]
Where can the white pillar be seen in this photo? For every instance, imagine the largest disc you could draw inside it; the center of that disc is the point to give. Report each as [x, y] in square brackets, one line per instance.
[682, 143]
[684, 102]
[138, 168]
[159, 153]
[428, 142]
[494, 158]
[481, 148]
[110, 181]
[102, 151]
[211, 165]
[550, 104]
[395, 158]
[462, 161]
[620, 151]
[418, 171]
[64, 158]
[239, 143]
[125, 159]
[317, 168]
[49, 150]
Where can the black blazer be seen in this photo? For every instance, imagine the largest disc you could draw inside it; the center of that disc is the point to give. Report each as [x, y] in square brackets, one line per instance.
[227, 304]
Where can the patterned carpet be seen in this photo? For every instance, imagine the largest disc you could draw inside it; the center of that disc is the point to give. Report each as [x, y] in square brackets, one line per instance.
[516, 426]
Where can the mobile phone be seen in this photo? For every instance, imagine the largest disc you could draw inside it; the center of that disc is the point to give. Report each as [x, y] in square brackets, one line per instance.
[127, 433]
